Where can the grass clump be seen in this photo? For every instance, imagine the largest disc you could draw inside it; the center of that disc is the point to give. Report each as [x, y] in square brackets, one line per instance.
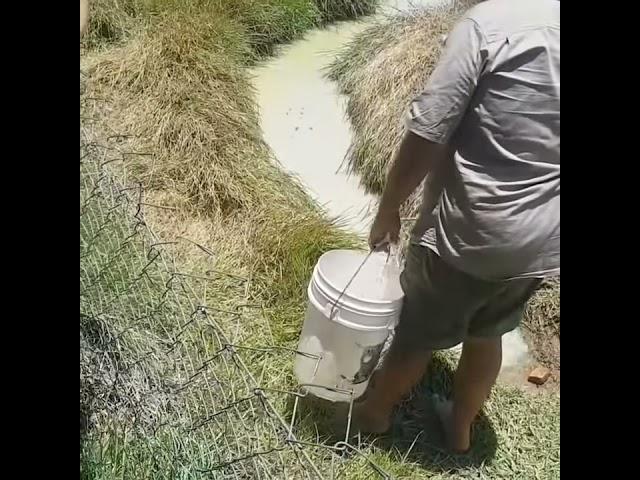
[110, 21]
[182, 88]
[266, 23]
[334, 10]
[286, 246]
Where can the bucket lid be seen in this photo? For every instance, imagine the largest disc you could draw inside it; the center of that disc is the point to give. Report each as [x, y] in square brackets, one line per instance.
[375, 290]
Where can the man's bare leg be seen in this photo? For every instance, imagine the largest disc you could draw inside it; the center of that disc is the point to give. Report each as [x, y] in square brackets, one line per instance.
[400, 372]
[475, 376]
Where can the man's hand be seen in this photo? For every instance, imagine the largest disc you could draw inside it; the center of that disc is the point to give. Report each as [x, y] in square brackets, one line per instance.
[385, 228]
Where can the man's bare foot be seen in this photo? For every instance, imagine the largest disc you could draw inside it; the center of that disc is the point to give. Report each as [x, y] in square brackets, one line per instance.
[458, 442]
[368, 420]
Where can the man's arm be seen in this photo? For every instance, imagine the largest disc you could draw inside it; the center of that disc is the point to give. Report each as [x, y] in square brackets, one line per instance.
[415, 158]
[433, 118]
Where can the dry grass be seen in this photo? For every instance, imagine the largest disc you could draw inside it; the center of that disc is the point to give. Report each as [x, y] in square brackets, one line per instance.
[272, 22]
[542, 324]
[110, 21]
[181, 87]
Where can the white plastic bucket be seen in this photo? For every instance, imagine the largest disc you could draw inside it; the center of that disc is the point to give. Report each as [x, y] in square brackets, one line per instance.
[341, 342]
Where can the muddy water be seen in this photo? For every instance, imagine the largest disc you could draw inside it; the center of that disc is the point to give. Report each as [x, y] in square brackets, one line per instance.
[304, 122]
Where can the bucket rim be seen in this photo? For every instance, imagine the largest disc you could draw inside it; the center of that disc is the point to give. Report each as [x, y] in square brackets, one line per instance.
[346, 294]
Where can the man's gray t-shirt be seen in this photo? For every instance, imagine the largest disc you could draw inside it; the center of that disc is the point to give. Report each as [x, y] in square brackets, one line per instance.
[494, 97]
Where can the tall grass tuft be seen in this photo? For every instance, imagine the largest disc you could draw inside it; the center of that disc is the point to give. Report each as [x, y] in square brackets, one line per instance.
[333, 10]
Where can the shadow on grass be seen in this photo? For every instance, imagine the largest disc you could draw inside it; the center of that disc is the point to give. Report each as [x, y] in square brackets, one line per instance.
[415, 435]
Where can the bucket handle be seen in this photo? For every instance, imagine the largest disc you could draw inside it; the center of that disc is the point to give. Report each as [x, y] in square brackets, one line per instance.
[332, 312]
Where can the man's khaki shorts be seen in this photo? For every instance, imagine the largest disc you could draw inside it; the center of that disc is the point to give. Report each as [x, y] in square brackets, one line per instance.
[444, 306]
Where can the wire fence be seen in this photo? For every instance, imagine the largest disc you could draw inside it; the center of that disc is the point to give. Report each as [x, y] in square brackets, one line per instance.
[174, 382]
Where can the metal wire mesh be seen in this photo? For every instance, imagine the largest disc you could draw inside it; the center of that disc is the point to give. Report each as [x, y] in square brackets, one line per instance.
[173, 381]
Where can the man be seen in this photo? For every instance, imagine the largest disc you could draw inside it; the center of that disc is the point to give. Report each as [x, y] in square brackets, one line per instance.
[485, 132]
